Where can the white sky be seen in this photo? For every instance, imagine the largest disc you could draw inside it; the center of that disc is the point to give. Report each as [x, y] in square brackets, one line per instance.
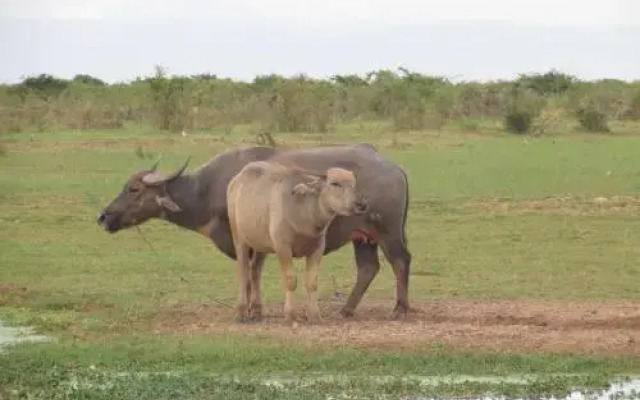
[564, 12]
[473, 39]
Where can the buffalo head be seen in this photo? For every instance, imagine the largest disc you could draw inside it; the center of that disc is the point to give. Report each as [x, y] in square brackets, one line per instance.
[143, 196]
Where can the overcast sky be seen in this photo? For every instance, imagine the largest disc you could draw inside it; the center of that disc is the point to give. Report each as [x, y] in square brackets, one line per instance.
[462, 39]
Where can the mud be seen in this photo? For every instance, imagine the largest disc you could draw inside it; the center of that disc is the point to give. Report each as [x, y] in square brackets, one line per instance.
[518, 326]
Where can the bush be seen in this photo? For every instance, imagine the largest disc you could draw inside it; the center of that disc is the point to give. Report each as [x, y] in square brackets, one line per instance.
[518, 120]
[523, 107]
[171, 109]
[592, 120]
[633, 111]
[547, 84]
[548, 122]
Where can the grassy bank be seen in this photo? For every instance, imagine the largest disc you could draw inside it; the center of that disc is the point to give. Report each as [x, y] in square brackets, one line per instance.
[492, 217]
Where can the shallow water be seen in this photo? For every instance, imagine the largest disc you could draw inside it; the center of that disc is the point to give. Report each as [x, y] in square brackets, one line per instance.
[14, 335]
[618, 390]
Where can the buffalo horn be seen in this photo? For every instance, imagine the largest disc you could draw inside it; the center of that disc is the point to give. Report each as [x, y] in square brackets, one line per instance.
[155, 178]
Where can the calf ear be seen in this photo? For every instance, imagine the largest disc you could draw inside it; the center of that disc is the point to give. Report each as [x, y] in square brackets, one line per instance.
[302, 189]
[312, 186]
[167, 203]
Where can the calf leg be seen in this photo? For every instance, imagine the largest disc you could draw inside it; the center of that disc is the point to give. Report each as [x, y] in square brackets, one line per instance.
[255, 299]
[368, 265]
[242, 270]
[289, 282]
[396, 252]
[311, 283]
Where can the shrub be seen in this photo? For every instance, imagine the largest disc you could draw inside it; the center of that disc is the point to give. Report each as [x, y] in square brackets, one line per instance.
[549, 121]
[633, 111]
[518, 120]
[549, 83]
[171, 110]
[523, 107]
[469, 124]
[592, 120]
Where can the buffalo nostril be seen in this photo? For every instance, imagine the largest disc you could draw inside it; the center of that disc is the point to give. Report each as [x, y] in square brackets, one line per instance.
[101, 218]
[361, 207]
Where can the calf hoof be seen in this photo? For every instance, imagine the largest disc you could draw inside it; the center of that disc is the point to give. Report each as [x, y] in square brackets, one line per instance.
[345, 313]
[243, 319]
[289, 317]
[314, 317]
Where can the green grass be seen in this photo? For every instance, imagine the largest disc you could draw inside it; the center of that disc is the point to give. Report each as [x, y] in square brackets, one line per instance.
[62, 273]
[200, 368]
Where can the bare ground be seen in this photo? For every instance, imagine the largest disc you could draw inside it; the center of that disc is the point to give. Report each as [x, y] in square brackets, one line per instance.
[522, 326]
[559, 205]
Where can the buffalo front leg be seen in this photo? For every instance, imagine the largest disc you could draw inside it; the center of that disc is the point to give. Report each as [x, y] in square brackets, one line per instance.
[312, 265]
[396, 252]
[242, 271]
[367, 267]
[255, 298]
[289, 282]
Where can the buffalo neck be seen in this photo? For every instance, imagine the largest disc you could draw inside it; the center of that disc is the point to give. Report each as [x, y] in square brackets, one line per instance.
[184, 191]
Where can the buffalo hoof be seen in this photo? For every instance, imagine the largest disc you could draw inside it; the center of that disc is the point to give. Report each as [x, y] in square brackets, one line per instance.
[255, 313]
[254, 317]
[346, 313]
[400, 312]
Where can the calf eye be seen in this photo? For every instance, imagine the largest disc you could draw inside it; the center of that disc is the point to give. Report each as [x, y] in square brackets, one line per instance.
[335, 184]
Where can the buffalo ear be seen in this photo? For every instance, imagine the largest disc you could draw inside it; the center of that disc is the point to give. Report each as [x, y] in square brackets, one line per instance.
[167, 203]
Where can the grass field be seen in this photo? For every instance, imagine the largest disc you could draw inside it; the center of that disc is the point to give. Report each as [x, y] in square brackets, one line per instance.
[525, 262]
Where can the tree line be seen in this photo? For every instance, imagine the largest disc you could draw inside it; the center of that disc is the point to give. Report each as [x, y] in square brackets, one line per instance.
[540, 103]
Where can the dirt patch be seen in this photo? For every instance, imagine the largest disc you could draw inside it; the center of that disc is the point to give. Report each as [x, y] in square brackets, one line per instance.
[559, 205]
[510, 326]
[7, 292]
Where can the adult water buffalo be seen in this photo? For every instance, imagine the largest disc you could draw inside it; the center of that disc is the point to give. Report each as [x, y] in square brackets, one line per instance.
[198, 202]
[288, 214]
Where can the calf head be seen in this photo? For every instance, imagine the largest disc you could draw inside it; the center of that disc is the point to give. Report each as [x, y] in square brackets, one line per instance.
[143, 196]
[336, 191]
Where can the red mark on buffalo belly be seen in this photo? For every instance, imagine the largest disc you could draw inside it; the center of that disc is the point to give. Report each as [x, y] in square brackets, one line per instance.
[360, 235]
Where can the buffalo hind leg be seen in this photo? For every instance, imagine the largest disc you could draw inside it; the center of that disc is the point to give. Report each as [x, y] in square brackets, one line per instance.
[367, 267]
[255, 298]
[396, 252]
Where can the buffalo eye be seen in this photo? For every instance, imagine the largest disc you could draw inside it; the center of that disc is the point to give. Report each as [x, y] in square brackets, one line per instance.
[134, 189]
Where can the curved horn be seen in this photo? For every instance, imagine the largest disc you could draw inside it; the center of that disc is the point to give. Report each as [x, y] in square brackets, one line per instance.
[155, 165]
[180, 171]
[155, 178]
